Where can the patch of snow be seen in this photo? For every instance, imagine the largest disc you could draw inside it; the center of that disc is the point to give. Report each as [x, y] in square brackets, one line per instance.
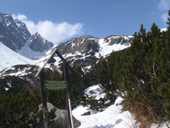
[68, 55]
[6, 89]
[106, 49]
[29, 53]
[8, 23]
[127, 37]
[43, 59]
[18, 24]
[78, 53]
[82, 41]
[111, 117]
[88, 67]
[162, 125]
[97, 55]
[10, 58]
[142, 81]
[73, 44]
[71, 54]
[95, 91]
[9, 84]
[58, 61]
[23, 72]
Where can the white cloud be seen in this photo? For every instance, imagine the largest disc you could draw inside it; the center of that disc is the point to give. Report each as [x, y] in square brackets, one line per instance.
[164, 4]
[55, 32]
[165, 17]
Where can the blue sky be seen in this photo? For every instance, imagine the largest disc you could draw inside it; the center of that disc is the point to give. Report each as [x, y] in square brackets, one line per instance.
[99, 18]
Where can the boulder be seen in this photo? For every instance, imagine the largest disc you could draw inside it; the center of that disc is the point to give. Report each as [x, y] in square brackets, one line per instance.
[61, 119]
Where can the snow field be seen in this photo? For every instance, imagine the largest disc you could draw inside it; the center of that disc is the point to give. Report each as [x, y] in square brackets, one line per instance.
[111, 117]
[9, 58]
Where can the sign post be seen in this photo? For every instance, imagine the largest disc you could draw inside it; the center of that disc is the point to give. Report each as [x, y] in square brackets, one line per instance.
[44, 101]
[66, 66]
[70, 117]
[55, 85]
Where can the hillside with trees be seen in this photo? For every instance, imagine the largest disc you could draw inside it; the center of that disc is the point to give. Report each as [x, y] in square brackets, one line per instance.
[140, 74]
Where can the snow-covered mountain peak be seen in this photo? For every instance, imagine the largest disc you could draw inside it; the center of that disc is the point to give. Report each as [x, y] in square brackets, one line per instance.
[20, 24]
[35, 47]
[87, 50]
[88, 44]
[83, 51]
[6, 18]
[113, 43]
[36, 36]
[15, 35]
[39, 44]
[82, 45]
[115, 39]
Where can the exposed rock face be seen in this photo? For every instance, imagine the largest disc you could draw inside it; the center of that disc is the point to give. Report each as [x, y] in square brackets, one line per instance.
[123, 40]
[87, 44]
[19, 77]
[61, 119]
[83, 51]
[82, 45]
[87, 50]
[39, 44]
[22, 77]
[15, 35]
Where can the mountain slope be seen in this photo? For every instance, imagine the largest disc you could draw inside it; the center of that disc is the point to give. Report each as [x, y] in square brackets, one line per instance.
[9, 58]
[87, 50]
[35, 47]
[15, 35]
[111, 117]
[88, 44]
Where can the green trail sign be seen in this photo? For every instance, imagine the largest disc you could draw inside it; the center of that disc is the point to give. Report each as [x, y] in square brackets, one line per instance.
[55, 85]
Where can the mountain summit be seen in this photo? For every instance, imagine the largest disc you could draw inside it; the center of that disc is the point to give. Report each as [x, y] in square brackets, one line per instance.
[89, 44]
[87, 50]
[82, 51]
[15, 35]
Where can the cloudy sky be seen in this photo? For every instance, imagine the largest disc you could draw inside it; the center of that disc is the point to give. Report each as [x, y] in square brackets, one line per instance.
[60, 20]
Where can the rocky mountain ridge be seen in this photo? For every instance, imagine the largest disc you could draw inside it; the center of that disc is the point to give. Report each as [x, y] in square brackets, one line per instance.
[86, 44]
[87, 50]
[83, 51]
[15, 35]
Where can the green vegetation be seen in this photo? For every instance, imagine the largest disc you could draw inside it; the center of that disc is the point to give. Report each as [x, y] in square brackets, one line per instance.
[21, 110]
[77, 81]
[18, 110]
[142, 72]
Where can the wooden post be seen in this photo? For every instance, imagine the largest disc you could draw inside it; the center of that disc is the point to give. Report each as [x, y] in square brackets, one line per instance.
[69, 109]
[44, 102]
[43, 94]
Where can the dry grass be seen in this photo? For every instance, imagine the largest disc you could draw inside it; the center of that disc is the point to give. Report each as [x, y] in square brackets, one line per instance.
[144, 114]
